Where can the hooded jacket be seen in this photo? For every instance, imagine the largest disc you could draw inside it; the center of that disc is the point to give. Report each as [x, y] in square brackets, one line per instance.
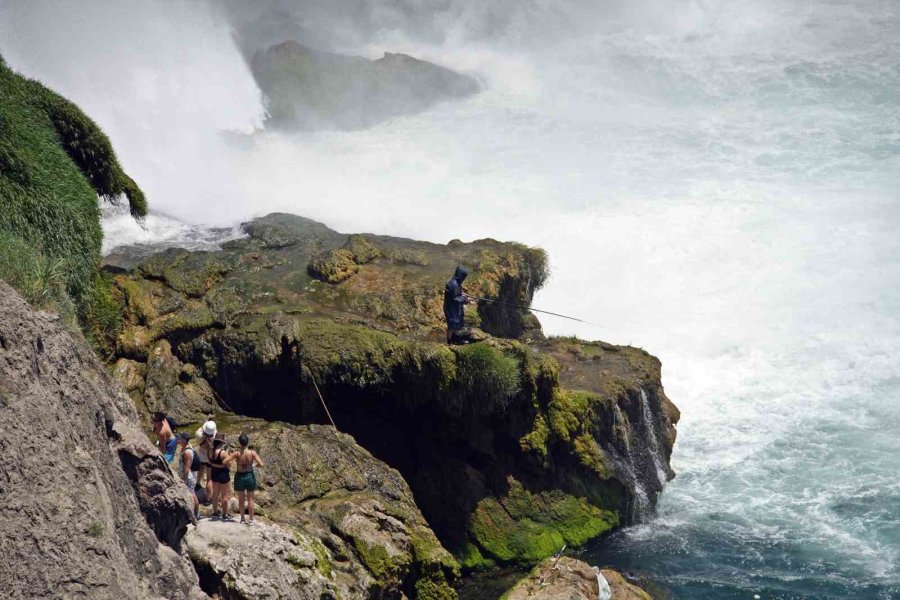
[454, 299]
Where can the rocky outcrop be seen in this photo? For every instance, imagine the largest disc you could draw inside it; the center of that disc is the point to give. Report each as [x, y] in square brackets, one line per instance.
[89, 508]
[572, 579]
[350, 527]
[513, 446]
[310, 89]
[266, 561]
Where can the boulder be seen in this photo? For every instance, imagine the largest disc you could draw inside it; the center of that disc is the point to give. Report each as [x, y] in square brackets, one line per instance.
[310, 89]
[90, 509]
[572, 579]
[240, 562]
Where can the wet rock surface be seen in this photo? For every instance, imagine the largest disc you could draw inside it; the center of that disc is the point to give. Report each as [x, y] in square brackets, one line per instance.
[311, 89]
[513, 445]
[89, 509]
[572, 579]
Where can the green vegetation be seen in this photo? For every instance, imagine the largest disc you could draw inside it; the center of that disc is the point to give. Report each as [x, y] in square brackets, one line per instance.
[526, 527]
[96, 529]
[54, 162]
[333, 266]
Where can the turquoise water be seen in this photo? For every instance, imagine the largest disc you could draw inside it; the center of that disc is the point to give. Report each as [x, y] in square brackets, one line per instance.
[716, 181]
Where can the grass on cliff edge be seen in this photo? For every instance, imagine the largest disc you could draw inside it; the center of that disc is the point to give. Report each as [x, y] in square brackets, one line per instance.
[54, 163]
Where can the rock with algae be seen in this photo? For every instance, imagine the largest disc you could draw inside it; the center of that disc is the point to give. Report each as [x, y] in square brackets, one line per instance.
[578, 432]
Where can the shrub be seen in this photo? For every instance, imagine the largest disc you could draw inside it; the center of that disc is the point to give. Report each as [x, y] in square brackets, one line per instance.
[54, 162]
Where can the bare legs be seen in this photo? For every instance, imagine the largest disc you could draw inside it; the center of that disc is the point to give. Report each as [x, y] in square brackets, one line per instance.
[223, 496]
[241, 497]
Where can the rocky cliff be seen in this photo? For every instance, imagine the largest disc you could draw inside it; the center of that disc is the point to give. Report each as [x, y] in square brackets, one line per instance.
[512, 446]
[89, 508]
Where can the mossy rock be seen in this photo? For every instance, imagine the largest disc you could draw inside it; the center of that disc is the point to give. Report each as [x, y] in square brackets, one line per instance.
[333, 266]
[525, 527]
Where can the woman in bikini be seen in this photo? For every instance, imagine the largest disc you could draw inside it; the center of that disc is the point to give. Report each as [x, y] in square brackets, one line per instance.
[245, 478]
[220, 463]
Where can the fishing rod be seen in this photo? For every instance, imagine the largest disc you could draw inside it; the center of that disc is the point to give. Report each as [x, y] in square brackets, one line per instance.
[546, 312]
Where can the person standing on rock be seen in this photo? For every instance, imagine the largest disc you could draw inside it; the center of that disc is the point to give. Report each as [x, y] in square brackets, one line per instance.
[454, 303]
[245, 477]
[206, 434]
[220, 463]
[166, 441]
[186, 459]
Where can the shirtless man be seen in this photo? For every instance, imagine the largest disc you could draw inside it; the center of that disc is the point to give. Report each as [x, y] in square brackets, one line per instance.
[166, 441]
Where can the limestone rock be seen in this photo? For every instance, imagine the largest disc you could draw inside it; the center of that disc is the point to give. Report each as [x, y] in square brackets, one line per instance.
[356, 515]
[571, 579]
[76, 475]
[242, 562]
[513, 444]
[621, 588]
[176, 388]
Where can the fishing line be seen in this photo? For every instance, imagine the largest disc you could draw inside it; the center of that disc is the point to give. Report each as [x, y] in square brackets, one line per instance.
[546, 312]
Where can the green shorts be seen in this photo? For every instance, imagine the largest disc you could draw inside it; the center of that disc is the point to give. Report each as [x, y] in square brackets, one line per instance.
[245, 482]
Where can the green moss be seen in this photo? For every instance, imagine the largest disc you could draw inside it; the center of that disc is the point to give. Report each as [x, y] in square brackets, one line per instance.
[323, 558]
[525, 527]
[386, 569]
[362, 249]
[434, 588]
[487, 373]
[471, 559]
[54, 162]
[102, 315]
[535, 441]
[333, 266]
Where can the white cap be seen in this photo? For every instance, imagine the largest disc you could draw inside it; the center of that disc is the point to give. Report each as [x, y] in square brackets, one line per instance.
[209, 428]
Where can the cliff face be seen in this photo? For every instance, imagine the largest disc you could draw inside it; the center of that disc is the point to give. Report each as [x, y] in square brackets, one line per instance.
[310, 89]
[89, 508]
[512, 446]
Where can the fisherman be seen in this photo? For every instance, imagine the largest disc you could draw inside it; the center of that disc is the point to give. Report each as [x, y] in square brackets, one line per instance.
[454, 302]
[165, 437]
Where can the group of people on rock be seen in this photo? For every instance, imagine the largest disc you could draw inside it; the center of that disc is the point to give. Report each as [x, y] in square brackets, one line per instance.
[206, 468]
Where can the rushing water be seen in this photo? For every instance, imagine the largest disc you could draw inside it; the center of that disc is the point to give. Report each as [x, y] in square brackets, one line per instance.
[716, 181]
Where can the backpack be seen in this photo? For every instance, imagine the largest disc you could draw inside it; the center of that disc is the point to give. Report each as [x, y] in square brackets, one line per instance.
[173, 424]
[195, 461]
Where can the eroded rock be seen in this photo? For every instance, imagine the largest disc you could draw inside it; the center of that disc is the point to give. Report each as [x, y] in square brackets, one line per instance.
[572, 579]
[71, 520]
[264, 561]
[513, 445]
[351, 517]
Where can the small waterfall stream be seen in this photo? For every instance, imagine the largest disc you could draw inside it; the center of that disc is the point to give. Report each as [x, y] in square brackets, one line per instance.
[653, 441]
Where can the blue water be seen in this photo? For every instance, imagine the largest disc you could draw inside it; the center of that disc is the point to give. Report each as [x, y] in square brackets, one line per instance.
[717, 181]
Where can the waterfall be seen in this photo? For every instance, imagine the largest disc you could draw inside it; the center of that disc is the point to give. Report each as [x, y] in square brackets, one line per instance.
[652, 440]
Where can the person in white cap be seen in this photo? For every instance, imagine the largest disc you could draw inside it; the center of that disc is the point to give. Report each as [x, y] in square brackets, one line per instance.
[206, 434]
